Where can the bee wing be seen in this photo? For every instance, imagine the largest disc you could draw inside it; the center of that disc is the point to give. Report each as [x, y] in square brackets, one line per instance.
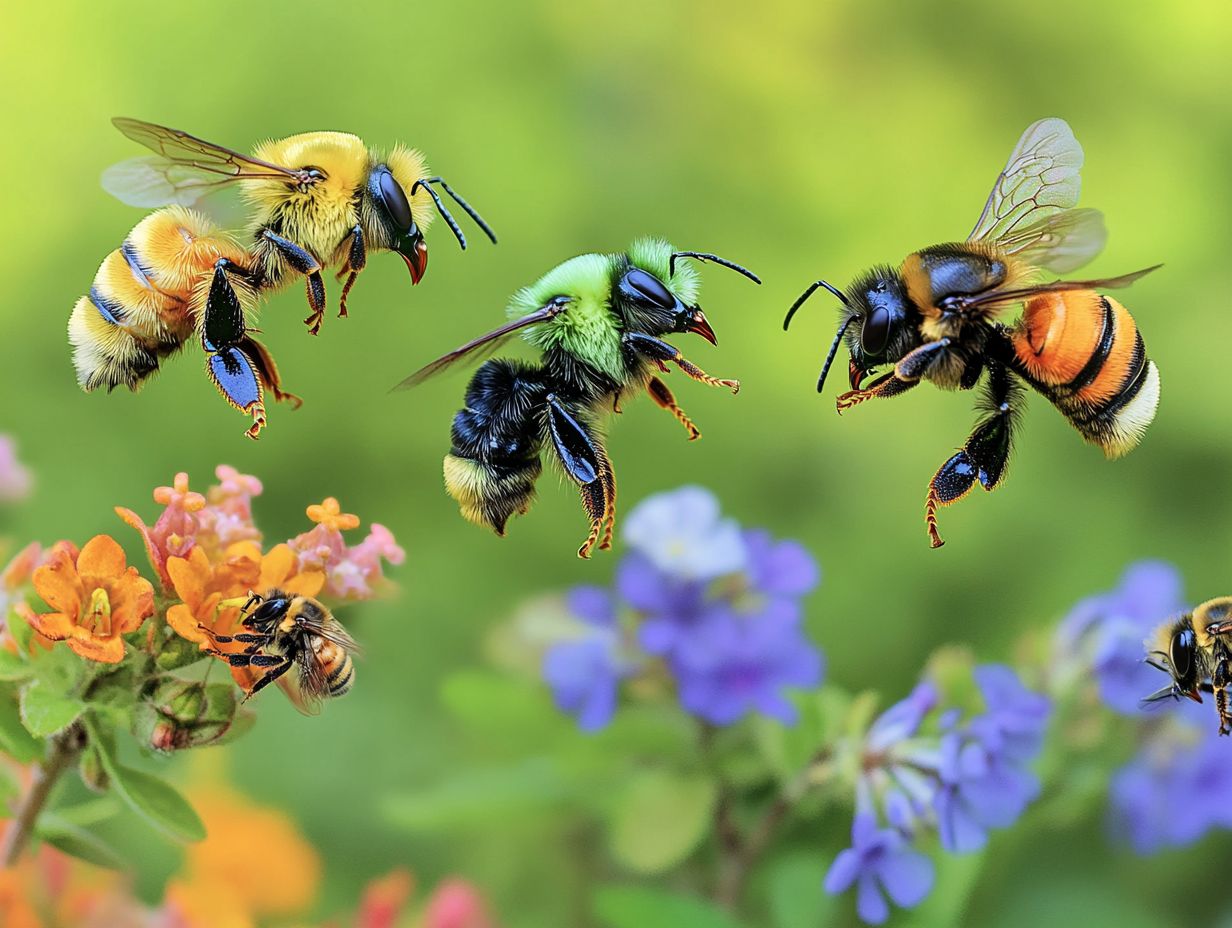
[1026, 210]
[485, 343]
[331, 630]
[308, 690]
[995, 297]
[183, 169]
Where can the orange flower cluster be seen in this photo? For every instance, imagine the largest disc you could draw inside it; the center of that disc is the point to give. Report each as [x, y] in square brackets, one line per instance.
[96, 596]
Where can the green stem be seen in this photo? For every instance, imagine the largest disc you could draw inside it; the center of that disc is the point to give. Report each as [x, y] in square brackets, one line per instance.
[64, 749]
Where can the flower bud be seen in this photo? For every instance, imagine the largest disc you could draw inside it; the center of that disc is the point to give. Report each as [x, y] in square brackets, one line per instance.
[177, 714]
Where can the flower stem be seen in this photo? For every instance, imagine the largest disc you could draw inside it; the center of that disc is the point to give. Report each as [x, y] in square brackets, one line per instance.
[739, 853]
[64, 750]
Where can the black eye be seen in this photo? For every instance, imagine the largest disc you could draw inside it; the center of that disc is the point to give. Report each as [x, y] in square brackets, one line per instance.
[388, 193]
[1182, 652]
[649, 288]
[876, 331]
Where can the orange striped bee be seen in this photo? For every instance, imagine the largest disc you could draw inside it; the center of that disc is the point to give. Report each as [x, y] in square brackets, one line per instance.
[1196, 651]
[281, 632]
[321, 200]
[937, 318]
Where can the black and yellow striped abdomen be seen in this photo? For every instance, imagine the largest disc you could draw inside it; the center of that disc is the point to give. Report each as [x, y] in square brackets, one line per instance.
[1084, 352]
[146, 297]
[336, 665]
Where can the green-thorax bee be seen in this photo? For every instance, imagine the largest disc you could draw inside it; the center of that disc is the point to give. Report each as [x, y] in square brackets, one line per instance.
[937, 317]
[1196, 651]
[598, 321]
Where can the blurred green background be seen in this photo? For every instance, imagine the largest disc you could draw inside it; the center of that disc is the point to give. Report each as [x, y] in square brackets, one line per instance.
[800, 139]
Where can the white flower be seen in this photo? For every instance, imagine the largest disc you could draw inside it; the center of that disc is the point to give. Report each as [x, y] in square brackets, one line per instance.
[683, 534]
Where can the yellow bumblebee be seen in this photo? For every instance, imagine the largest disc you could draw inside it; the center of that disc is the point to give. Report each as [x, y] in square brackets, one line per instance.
[322, 200]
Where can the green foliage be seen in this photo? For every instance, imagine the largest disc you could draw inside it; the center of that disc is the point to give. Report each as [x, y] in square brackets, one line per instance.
[153, 799]
[78, 842]
[15, 740]
[45, 712]
[646, 907]
[792, 885]
[659, 818]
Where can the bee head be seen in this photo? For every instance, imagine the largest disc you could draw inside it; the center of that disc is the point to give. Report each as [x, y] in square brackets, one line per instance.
[1176, 654]
[649, 305]
[879, 323]
[393, 212]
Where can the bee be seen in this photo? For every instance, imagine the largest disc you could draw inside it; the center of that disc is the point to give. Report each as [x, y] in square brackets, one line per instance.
[1196, 651]
[285, 631]
[320, 200]
[598, 321]
[936, 318]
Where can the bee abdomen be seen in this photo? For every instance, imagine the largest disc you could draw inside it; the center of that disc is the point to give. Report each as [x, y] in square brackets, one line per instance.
[341, 677]
[1085, 353]
[140, 307]
[494, 459]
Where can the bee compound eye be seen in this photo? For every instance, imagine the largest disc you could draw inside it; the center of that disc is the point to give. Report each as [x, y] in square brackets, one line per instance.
[649, 288]
[388, 192]
[876, 332]
[1182, 652]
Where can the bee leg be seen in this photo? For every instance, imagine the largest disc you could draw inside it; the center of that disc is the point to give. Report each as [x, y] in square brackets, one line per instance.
[300, 259]
[1221, 679]
[984, 456]
[357, 260]
[883, 387]
[587, 465]
[267, 370]
[654, 349]
[280, 664]
[223, 336]
[660, 393]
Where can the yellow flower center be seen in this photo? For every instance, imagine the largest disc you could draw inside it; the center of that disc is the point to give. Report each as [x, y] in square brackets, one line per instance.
[97, 617]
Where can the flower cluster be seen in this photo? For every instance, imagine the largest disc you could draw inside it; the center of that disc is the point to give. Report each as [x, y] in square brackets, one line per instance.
[924, 769]
[1178, 752]
[717, 606]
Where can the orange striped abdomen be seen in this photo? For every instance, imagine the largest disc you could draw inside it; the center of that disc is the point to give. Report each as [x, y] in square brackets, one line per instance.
[336, 665]
[1084, 352]
[144, 301]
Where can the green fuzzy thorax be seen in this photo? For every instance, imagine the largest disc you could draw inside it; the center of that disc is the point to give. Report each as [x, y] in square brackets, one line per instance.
[589, 329]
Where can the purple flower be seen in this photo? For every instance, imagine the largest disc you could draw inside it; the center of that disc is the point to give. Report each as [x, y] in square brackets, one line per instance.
[880, 862]
[1107, 631]
[735, 665]
[584, 673]
[903, 719]
[779, 568]
[1177, 788]
[671, 609]
[682, 534]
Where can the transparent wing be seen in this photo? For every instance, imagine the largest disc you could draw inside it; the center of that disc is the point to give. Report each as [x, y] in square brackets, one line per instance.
[331, 630]
[1059, 243]
[1017, 295]
[485, 343]
[184, 168]
[308, 690]
[1039, 185]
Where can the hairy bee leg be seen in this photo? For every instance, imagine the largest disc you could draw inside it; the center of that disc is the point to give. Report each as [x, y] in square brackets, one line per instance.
[883, 387]
[587, 465]
[357, 260]
[1221, 679]
[659, 351]
[267, 370]
[223, 333]
[984, 456]
[301, 259]
[660, 393]
[280, 665]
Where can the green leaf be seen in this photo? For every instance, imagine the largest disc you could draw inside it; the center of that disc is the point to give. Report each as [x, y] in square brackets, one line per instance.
[643, 907]
[479, 798]
[659, 818]
[20, 631]
[12, 667]
[796, 896]
[45, 711]
[78, 842]
[9, 787]
[153, 799]
[14, 739]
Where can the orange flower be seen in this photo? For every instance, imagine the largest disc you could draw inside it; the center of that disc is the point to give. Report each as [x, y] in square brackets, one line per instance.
[253, 866]
[203, 588]
[330, 514]
[97, 598]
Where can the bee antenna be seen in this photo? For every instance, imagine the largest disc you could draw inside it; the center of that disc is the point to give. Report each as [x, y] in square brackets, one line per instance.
[838, 339]
[1159, 695]
[703, 256]
[809, 292]
[440, 208]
